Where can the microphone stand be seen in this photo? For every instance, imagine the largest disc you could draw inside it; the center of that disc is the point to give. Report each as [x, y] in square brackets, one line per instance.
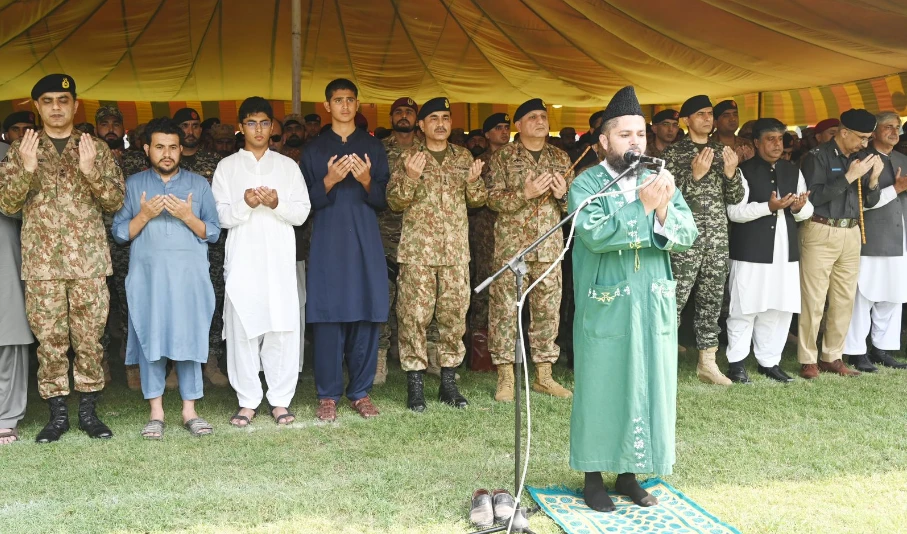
[517, 265]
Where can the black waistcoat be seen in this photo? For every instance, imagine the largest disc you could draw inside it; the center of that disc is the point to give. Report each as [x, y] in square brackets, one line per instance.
[754, 241]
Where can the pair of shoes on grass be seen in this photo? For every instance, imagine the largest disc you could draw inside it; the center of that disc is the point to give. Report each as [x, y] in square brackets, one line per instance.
[490, 508]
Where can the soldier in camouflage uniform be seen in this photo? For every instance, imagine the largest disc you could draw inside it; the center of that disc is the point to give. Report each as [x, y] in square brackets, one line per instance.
[481, 224]
[528, 188]
[62, 181]
[727, 119]
[202, 162]
[109, 127]
[707, 175]
[433, 185]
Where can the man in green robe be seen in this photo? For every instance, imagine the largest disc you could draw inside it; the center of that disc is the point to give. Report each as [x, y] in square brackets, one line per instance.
[625, 328]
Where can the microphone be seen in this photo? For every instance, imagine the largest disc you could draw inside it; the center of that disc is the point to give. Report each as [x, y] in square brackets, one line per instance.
[631, 156]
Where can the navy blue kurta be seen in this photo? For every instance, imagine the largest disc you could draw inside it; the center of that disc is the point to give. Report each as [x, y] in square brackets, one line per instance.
[347, 272]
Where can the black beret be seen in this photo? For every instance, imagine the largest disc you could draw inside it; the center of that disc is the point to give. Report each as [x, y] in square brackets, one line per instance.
[694, 104]
[665, 115]
[594, 118]
[312, 117]
[495, 119]
[288, 122]
[767, 124]
[623, 103]
[207, 123]
[185, 114]
[723, 106]
[536, 104]
[433, 106]
[858, 120]
[17, 117]
[475, 133]
[54, 83]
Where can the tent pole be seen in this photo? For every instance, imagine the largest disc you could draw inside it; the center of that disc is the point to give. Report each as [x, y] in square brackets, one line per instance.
[759, 105]
[296, 12]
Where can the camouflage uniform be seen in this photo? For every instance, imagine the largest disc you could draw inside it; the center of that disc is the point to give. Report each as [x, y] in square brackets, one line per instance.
[434, 254]
[204, 163]
[705, 263]
[481, 249]
[519, 223]
[65, 257]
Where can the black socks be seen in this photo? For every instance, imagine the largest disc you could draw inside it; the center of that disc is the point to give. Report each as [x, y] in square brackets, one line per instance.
[596, 494]
[627, 485]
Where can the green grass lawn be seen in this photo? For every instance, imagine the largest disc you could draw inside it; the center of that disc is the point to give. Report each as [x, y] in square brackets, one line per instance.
[809, 457]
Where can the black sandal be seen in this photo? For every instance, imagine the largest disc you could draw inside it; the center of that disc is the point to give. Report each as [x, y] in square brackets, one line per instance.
[280, 418]
[239, 418]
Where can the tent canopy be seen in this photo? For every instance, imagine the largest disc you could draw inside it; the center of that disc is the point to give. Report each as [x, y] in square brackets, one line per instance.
[569, 52]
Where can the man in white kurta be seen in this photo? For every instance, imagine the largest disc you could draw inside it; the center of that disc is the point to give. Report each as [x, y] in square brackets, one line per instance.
[765, 272]
[260, 196]
[882, 286]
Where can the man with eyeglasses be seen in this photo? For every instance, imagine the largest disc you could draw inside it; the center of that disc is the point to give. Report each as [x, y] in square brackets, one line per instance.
[260, 197]
[830, 240]
[882, 287]
[276, 141]
[197, 159]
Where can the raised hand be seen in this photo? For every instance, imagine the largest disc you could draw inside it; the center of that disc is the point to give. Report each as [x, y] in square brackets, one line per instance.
[267, 196]
[180, 209]
[653, 195]
[338, 168]
[87, 153]
[415, 164]
[28, 150]
[361, 169]
[730, 161]
[859, 167]
[900, 182]
[151, 208]
[800, 201]
[558, 186]
[775, 203]
[702, 163]
[252, 198]
[535, 186]
[475, 170]
[877, 167]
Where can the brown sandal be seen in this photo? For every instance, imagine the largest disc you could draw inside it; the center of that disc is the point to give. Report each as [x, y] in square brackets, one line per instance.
[13, 433]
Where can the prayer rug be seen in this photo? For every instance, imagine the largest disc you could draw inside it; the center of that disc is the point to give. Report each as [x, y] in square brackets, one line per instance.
[675, 513]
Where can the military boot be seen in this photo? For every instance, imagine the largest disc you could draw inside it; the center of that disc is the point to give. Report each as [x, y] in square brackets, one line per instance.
[415, 391]
[381, 368]
[504, 391]
[545, 383]
[88, 419]
[708, 371]
[434, 366]
[58, 423]
[448, 392]
[214, 374]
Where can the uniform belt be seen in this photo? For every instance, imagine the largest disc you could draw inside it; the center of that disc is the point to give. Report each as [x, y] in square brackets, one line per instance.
[837, 223]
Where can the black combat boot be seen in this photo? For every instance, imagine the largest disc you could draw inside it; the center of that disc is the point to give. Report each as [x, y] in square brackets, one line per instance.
[88, 420]
[59, 421]
[448, 392]
[415, 391]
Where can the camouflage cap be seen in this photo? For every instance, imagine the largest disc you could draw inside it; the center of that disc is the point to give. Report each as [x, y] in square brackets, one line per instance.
[108, 111]
[223, 131]
[293, 118]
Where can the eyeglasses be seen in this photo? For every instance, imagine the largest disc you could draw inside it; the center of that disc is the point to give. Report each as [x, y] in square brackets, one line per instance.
[252, 125]
[276, 138]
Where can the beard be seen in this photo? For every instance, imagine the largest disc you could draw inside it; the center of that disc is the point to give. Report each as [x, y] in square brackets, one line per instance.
[293, 141]
[165, 170]
[114, 143]
[477, 151]
[616, 161]
[404, 126]
[191, 142]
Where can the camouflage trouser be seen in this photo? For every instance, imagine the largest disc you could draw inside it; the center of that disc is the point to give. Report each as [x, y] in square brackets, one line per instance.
[706, 268]
[64, 311]
[424, 292]
[481, 250]
[544, 309]
[216, 270]
[389, 329]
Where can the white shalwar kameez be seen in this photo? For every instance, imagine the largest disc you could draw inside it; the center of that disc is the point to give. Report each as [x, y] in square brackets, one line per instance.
[261, 305]
[764, 296]
[881, 291]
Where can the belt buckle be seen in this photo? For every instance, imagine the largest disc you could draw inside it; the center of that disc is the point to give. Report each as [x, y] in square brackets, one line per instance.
[844, 223]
